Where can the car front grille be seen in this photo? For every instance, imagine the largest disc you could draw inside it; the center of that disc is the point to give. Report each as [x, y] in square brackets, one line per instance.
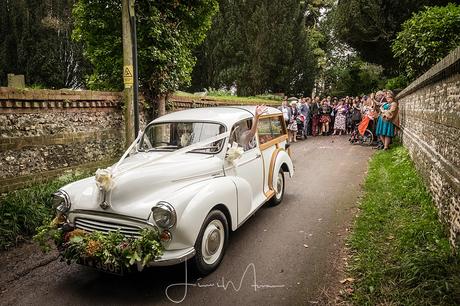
[105, 227]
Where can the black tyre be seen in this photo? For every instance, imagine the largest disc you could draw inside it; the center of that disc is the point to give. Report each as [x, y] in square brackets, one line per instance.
[211, 243]
[279, 189]
[368, 138]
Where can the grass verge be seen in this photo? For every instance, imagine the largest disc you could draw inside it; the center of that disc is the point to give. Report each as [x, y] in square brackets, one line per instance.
[400, 252]
[263, 99]
[22, 211]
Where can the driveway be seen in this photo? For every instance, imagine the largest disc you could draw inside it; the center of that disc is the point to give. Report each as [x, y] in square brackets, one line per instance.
[285, 255]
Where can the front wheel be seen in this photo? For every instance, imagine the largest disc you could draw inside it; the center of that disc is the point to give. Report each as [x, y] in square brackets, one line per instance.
[279, 189]
[211, 243]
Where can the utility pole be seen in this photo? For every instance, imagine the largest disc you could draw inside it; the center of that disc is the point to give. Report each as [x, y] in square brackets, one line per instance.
[132, 19]
[128, 73]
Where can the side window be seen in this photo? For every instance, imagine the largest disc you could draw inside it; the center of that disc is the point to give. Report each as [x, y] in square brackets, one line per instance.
[277, 127]
[264, 130]
[241, 135]
[270, 128]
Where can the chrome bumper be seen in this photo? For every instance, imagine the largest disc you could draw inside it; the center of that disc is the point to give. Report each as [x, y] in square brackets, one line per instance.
[173, 257]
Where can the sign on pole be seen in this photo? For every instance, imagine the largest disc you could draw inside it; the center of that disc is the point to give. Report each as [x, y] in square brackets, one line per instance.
[128, 76]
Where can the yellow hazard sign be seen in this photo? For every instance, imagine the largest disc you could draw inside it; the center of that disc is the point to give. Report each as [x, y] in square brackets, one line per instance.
[128, 75]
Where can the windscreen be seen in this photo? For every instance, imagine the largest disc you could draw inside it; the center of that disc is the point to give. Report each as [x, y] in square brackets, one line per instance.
[172, 136]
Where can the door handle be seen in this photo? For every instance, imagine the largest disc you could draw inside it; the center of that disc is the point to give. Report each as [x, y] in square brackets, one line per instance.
[258, 155]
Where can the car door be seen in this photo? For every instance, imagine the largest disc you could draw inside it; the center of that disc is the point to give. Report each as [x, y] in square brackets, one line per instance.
[248, 172]
[272, 137]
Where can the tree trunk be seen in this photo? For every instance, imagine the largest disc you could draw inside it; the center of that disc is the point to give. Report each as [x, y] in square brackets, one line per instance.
[162, 105]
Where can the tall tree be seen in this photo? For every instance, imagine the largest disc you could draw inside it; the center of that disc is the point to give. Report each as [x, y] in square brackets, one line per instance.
[36, 41]
[370, 26]
[258, 45]
[167, 32]
[352, 77]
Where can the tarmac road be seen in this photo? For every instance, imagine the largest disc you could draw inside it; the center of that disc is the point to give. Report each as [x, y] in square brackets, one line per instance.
[285, 255]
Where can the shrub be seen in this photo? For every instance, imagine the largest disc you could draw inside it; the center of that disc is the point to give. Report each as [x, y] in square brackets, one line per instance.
[426, 38]
[399, 82]
[22, 211]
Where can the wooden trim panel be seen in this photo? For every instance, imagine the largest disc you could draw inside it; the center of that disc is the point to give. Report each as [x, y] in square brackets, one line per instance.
[272, 168]
[273, 142]
[269, 194]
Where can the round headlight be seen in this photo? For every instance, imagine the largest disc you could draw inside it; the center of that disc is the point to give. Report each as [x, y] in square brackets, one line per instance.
[164, 215]
[61, 201]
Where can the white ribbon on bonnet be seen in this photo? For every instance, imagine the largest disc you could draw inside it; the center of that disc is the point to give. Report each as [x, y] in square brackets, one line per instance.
[105, 178]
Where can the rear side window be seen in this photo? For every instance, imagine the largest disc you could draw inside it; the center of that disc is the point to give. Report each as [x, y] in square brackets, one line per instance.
[270, 128]
[277, 127]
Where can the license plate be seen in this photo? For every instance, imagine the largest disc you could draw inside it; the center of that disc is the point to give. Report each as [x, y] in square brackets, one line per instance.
[99, 265]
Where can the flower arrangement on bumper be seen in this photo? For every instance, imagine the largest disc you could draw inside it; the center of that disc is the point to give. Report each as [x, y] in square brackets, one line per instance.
[113, 248]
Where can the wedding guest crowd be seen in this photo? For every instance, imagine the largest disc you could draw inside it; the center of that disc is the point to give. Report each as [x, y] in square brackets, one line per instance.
[341, 116]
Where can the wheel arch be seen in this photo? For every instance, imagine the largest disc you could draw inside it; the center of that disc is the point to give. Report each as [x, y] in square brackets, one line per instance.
[224, 209]
[283, 162]
[285, 167]
[197, 208]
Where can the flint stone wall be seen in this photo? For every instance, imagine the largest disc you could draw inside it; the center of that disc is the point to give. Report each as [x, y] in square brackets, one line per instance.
[430, 121]
[46, 132]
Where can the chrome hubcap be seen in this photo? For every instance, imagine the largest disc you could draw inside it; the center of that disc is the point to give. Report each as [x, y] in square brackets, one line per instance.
[279, 186]
[213, 241]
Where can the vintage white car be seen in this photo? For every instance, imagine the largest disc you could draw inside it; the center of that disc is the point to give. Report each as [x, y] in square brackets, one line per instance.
[192, 176]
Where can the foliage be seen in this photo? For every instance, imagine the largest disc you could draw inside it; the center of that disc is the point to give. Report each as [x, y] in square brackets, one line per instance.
[318, 30]
[49, 231]
[426, 38]
[112, 248]
[353, 77]
[397, 83]
[401, 255]
[222, 92]
[219, 92]
[22, 211]
[259, 46]
[315, 11]
[36, 41]
[371, 26]
[167, 32]
[251, 100]
[269, 97]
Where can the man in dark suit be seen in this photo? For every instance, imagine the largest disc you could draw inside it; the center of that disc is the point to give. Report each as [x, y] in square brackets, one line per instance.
[305, 111]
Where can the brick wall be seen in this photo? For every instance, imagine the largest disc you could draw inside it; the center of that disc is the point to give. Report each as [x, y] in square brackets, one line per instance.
[430, 120]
